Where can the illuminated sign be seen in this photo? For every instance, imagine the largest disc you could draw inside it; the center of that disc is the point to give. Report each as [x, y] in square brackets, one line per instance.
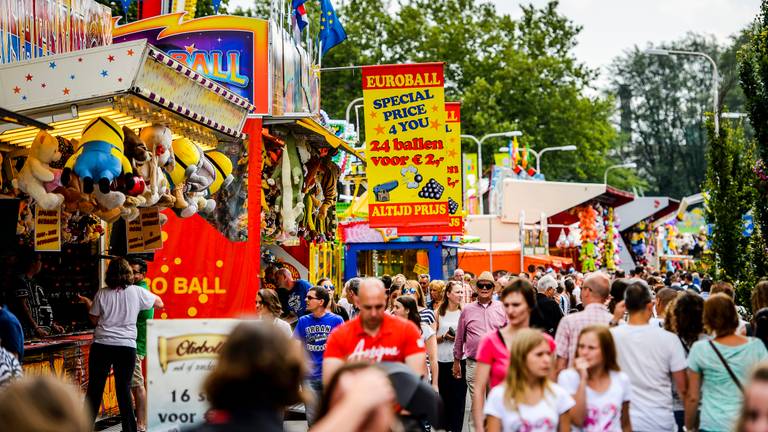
[223, 67]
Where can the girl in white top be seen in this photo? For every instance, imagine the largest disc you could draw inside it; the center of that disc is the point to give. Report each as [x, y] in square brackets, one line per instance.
[268, 309]
[601, 391]
[528, 400]
[405, 307]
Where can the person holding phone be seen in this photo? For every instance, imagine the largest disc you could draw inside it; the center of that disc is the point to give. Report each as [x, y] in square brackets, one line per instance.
[453, 390]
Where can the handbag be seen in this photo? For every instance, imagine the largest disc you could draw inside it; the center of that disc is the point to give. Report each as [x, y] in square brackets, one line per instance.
[727, 367]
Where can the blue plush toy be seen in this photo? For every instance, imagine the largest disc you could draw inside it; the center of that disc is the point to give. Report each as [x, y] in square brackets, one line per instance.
[100, 155]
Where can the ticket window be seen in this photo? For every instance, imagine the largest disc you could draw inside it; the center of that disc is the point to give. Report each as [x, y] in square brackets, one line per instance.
[409, 262]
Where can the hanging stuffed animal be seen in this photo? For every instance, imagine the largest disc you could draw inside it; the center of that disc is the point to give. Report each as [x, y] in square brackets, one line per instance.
[223, 166]
[36, 171]
[186, 158]
[100, 157]
[158, 140]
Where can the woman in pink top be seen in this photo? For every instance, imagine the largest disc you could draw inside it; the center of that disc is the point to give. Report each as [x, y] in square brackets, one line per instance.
[519, 299]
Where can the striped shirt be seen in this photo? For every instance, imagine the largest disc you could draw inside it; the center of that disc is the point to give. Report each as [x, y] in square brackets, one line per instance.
[10, 368]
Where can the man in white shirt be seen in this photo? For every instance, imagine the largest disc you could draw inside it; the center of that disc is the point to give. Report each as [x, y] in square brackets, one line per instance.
[653, 358]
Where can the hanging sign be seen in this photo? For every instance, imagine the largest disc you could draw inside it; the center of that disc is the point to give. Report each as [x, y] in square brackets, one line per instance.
[454, 184]
[135, 240]
[405, 130]
[150, 228]
[47, 230]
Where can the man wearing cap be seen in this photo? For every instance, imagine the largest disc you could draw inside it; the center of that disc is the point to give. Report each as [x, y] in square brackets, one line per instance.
[477, 319]
[547, 314]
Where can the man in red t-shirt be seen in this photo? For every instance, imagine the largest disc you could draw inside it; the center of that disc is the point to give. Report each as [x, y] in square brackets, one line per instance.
[374, 335]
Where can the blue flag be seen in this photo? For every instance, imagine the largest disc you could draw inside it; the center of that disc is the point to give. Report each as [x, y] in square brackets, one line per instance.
[300, 13]
[331, 31]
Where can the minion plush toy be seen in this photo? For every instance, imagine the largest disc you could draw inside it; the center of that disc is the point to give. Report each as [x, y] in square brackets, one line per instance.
[223, 166]
[100, 155]
[186, 160]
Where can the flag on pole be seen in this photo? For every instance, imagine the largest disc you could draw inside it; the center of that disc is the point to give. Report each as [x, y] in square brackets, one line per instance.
[331, 31]
[515, 157]
[300, 14]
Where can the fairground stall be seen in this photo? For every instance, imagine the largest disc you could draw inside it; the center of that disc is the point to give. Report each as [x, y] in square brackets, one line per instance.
[636, 220]
[175, 149]
[291, 208]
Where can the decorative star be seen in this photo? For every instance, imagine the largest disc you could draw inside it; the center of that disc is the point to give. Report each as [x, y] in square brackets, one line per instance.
[190, 49]
[28, 77]
[17, 89]
[218, 39]
[373, 114]
[104, 73]
[130, 52]
[42, 85]
[435, 124]
[52, 65]
[434, 108]
[111, 58]
[65, 91]
[379, 129]
[23, 98]
[451, 153]
[72, 76]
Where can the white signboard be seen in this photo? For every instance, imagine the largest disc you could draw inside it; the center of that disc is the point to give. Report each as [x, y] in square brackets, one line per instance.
[180, 354]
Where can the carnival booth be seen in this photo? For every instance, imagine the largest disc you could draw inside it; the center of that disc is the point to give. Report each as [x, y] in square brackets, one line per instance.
[635, 222]
[574, 221]
[130, 133]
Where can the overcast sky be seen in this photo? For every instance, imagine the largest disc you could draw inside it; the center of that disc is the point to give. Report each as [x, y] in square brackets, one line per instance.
[612, 26]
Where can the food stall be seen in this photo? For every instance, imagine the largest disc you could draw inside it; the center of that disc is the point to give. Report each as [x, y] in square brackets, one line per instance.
[137, 100]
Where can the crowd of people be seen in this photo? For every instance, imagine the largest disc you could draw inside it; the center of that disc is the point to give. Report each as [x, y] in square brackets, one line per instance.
[537, 351]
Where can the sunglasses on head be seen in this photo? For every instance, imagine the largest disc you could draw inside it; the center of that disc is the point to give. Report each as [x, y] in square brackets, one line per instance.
[329, 287]
[409, 290]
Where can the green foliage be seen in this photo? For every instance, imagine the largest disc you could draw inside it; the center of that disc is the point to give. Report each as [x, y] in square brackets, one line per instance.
[509, 74]
[730, 192]
[670, 95]
[753, 73]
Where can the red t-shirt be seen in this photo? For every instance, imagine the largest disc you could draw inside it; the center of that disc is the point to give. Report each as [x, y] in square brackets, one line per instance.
[396, 340]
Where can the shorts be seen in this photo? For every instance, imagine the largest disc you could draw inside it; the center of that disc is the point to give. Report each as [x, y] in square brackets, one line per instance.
[137, 380]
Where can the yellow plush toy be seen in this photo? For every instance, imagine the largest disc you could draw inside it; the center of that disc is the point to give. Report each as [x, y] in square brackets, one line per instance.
[223, 167]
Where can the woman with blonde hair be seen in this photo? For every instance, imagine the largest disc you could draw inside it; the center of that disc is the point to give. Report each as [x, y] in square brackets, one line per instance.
[42, 404]
[436, 293]
[527, 400]
[601, 391]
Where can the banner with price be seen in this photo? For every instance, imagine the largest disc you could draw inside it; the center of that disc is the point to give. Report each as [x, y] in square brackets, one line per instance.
[406, 154]
[454, 189]
[180, 354]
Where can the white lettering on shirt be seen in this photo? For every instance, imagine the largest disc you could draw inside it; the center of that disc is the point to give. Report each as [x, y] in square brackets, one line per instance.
[375, 354]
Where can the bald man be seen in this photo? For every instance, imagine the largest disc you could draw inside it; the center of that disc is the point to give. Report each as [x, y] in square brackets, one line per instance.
[292, 293]
[374, 335]
[594, 293]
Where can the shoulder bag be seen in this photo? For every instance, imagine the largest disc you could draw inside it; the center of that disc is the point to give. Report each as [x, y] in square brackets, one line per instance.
[727, 367]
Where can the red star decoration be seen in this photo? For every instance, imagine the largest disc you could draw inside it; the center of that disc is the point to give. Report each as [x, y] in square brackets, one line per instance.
[42, 85]
[130, 52]
[190, 49]
[111, 58]
[65, 91]
[373, 114]
[435, 124]
[379, 130]
[17, 89]
[28, 77]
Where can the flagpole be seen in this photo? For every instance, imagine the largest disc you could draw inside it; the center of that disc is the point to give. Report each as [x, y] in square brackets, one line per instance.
[339, 68]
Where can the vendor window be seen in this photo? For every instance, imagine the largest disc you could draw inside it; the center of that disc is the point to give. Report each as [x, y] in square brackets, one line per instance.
[409, 262]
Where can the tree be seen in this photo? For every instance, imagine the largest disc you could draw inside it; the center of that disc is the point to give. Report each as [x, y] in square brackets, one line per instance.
[667, 97]
[753, 73]
[730, 195]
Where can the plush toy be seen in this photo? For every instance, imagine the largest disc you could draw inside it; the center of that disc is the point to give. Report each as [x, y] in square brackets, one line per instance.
[289, 212]
[36, 171]
[223, 166]
[157, 139]
[186, 158]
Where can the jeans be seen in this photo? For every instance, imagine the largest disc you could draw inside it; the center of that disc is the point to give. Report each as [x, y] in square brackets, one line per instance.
[316, 387]
[470, 376]
[123, 360]
[453, 391]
